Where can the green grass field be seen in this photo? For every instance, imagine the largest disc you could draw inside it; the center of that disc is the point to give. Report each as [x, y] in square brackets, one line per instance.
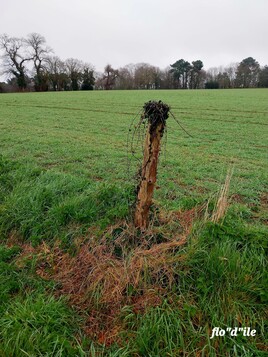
[66, 182]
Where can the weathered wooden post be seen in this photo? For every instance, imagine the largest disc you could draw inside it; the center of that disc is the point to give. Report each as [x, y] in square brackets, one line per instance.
[156, 113]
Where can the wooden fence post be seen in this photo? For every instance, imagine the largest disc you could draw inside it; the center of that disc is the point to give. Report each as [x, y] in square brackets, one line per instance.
[157, 114]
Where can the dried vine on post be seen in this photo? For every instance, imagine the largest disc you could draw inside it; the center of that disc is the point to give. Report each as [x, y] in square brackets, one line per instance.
[156, 113]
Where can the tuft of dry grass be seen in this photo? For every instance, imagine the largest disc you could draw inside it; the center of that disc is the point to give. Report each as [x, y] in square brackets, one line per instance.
[222, 201]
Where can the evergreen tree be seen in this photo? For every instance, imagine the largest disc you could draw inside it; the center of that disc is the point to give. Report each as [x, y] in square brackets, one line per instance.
[247, 73]
[88, 79]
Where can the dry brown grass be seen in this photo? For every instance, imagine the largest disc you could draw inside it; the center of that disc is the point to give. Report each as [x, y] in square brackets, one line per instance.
[100, 282]
[222, 201]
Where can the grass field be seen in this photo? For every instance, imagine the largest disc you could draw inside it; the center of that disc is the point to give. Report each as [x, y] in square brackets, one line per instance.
[78, 279]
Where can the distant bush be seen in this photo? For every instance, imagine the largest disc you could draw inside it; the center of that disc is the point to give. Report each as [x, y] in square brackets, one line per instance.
[8, 87]
[212, 85]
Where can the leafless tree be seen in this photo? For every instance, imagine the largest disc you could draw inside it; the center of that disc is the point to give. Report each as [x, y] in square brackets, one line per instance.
[146, 76]
[167, 79]
[231, 72]
[125, 79]
[15, 59]
[222, 77]
[39, 52]
[74, 68]
[212, 73]
[56, 71]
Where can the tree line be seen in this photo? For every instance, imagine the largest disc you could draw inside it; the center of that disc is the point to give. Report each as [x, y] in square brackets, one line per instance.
[30, 65]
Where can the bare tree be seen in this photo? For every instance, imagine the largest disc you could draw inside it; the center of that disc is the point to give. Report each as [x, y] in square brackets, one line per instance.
[98, 80]
[74, 69]
[167, 79]
[125, 78]
[231, 71]
[224, 80]
[213, 72]
[39, 52]
[56, 71]
[221, 77]
[147, 76]
[15, 59]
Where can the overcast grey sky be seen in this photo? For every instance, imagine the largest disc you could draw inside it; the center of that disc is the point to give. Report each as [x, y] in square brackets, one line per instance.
[158, 32]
